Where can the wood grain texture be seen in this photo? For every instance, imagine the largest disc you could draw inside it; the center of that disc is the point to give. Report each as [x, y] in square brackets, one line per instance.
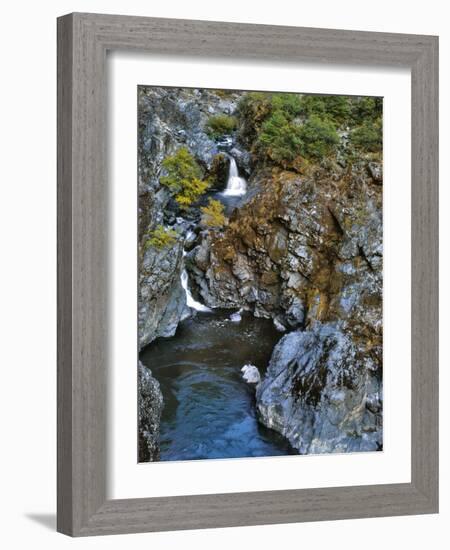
[64, 329]
[425, 272]
[83, 40]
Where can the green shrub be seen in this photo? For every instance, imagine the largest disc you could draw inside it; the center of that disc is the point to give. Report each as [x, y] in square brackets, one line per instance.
[283, 140]
[291, 129]
[319, 137]
[366, 108]
[218, 125]
[255, 104]
[280, 139]
[368, 137]
[213, 215]
[289, 104]
[271, 123]
[183, 177]
[335, 108]
[161, 237]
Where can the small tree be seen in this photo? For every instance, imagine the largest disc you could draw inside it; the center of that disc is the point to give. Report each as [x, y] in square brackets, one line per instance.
[337, 108]
[161, 237]
[183, 177]
[213, 215]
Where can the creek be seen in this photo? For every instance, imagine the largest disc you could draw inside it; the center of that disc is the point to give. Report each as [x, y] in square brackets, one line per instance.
[209, 411]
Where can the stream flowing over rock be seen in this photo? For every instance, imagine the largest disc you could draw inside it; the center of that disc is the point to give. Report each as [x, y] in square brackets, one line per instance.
[150, 404]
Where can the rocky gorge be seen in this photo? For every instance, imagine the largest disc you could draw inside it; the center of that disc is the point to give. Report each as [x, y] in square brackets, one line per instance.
[297, 243]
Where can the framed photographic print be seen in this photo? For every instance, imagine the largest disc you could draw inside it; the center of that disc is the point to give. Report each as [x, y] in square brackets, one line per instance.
[247, 274]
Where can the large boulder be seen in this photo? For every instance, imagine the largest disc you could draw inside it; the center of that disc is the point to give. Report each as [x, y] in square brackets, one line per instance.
[150, 404]
[323, 393]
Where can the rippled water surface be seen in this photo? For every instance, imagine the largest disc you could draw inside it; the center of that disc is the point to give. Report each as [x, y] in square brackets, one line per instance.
[209, 410]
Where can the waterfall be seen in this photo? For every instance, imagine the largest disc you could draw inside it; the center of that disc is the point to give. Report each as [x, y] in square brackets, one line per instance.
[236, 186]
[190, 301]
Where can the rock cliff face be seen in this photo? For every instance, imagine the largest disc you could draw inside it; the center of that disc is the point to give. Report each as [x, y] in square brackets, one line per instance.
[303, 247]
[150, 405]
[162, 300]
[307, 251]
[169, 118]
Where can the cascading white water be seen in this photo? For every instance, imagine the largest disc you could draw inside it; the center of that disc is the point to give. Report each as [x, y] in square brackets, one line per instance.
[190, 301]
[236, 186]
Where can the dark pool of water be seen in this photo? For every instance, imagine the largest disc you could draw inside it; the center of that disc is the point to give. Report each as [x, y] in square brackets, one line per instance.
[209, 411]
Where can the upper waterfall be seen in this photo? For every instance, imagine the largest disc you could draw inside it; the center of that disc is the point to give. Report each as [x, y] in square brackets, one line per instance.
[236, 186]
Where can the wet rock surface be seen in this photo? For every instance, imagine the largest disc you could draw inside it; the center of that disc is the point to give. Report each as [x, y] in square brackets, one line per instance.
[323, 393]
[250, 374]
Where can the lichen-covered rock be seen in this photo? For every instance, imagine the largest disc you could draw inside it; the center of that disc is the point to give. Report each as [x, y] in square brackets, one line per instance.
[376, 171]
[300, 249]
[323, 392]
[150, 404]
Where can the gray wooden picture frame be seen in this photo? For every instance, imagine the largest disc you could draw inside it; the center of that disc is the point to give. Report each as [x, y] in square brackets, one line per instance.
[83, 40]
